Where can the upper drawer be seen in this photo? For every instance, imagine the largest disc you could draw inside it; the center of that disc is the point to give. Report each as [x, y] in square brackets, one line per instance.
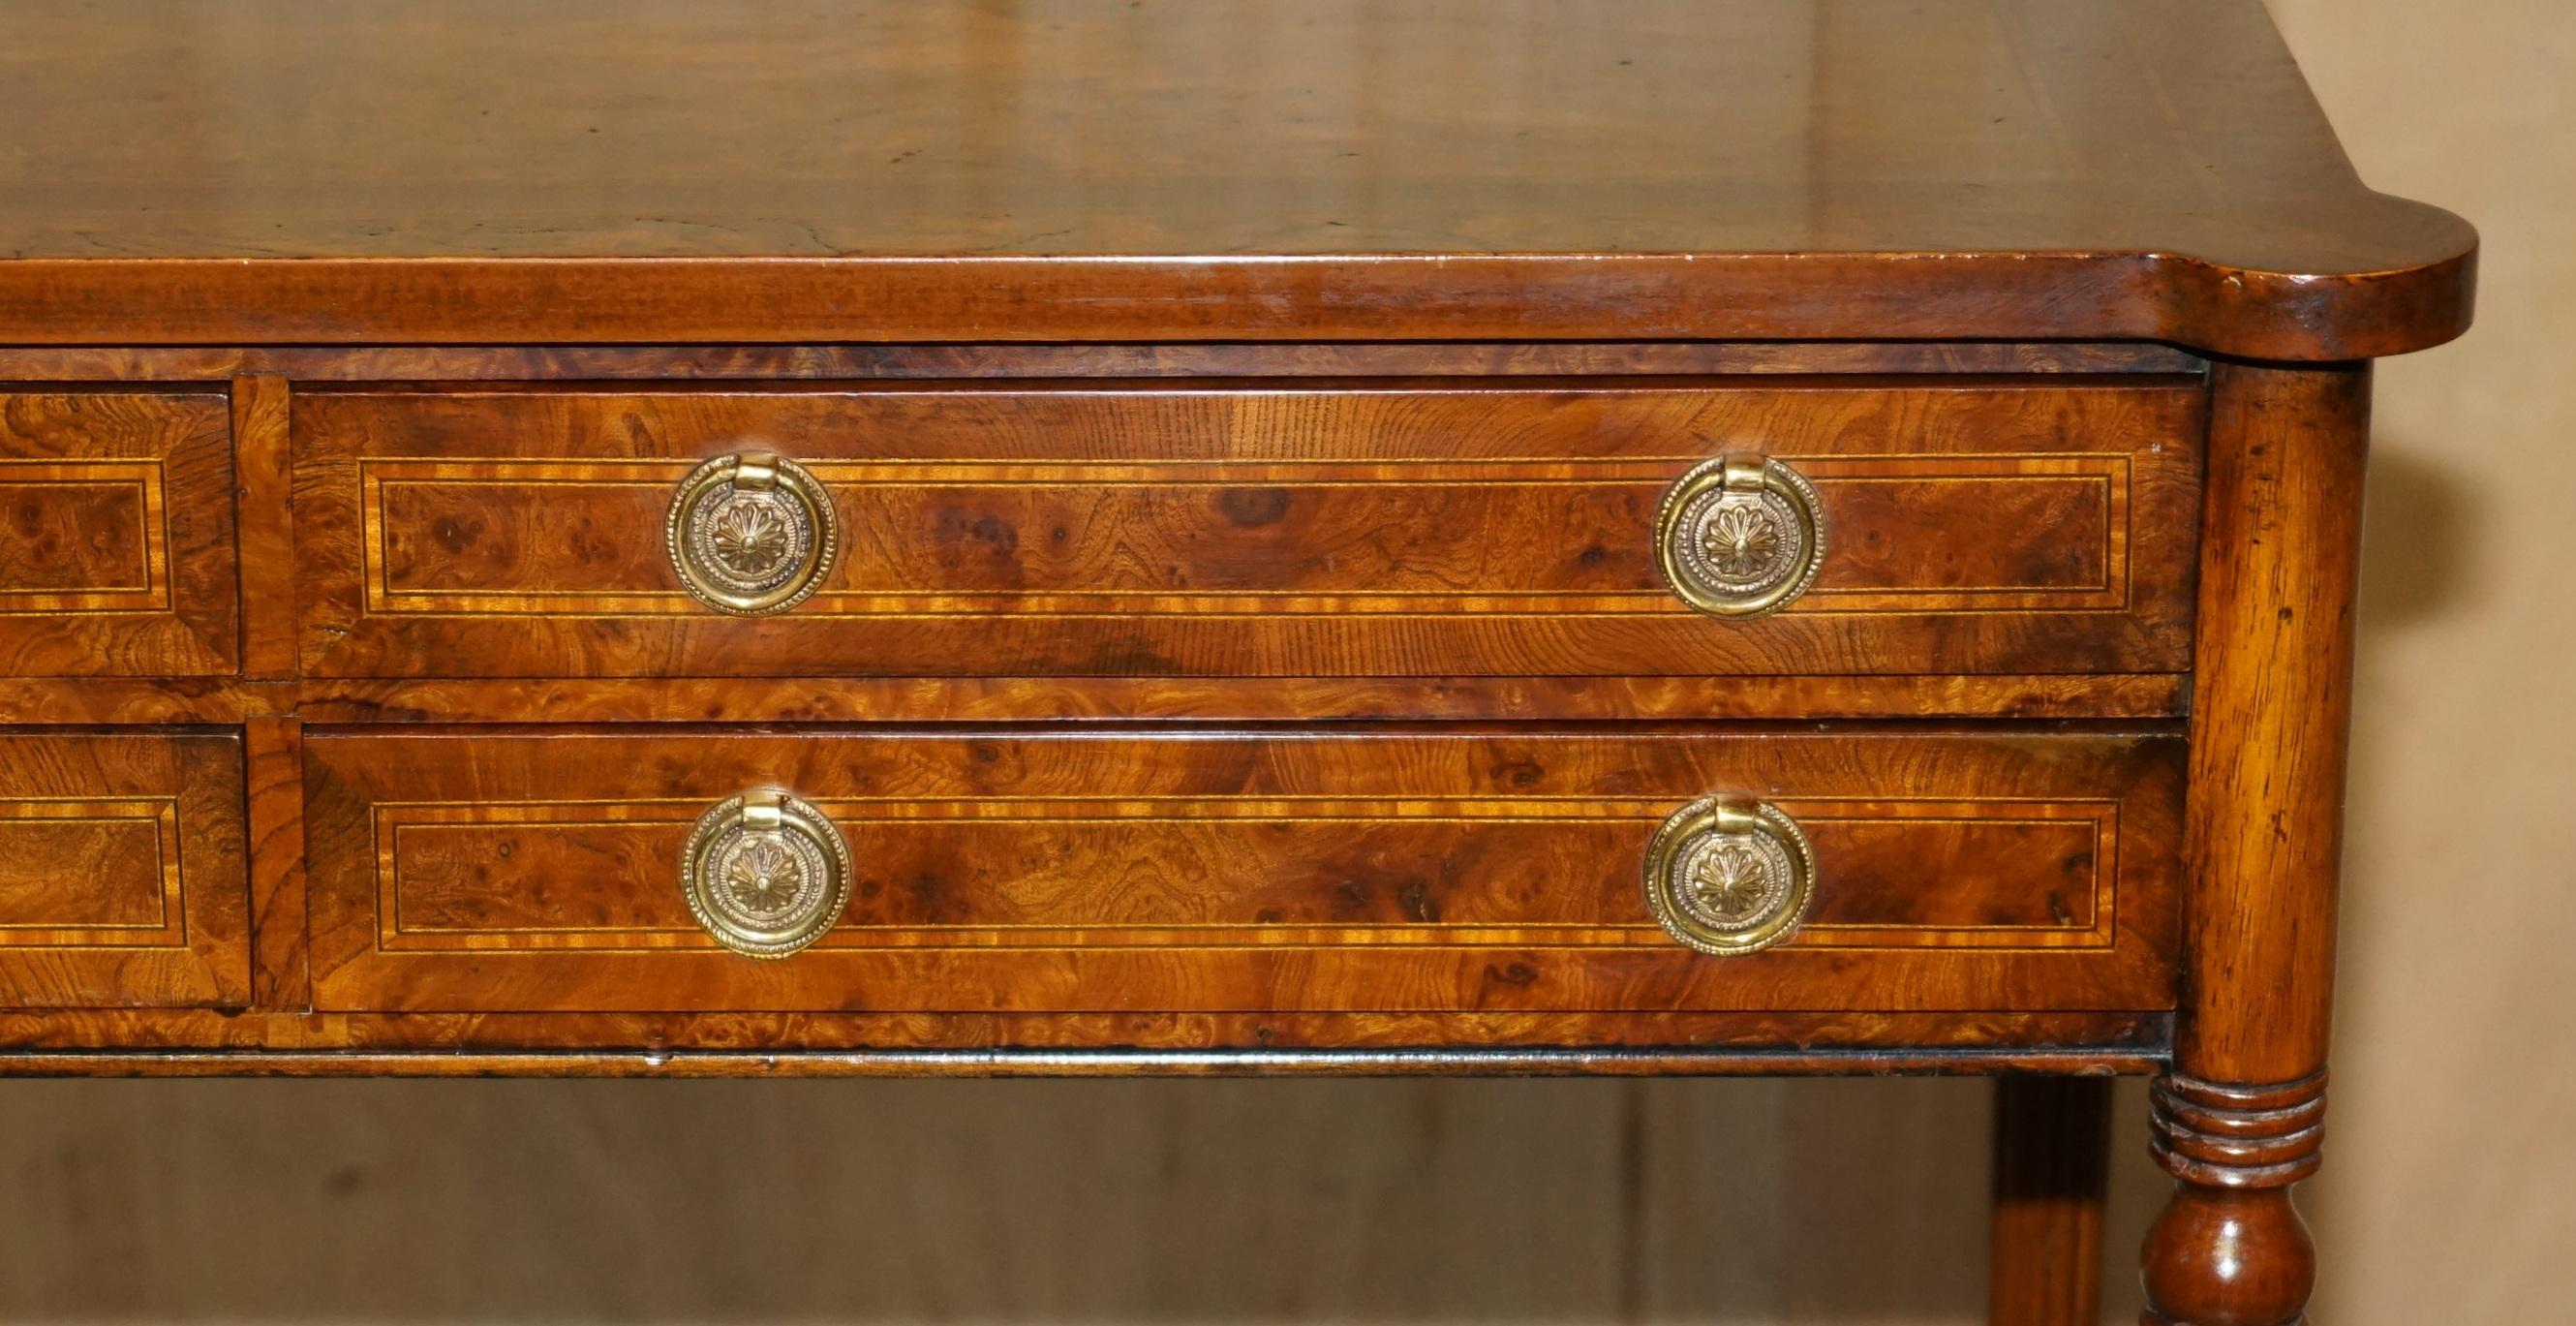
[1423, 530]
[116, 535]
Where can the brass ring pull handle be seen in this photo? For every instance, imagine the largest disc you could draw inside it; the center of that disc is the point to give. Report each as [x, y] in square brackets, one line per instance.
[1740, 536]
[1729, 875]
[750, 534]
[765, 873]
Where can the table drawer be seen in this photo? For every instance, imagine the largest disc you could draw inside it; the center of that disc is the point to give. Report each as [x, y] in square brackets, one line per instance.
[1970, 525]
[1375, 868]
[121, 870]
[116, 535]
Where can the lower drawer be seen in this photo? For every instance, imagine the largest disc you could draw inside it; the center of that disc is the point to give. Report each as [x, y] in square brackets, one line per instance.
[121, 870]
[1359, 869]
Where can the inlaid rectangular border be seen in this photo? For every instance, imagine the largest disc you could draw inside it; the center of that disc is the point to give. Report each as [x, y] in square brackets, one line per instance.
[147, 478]
[162, 815]
[2111, 472]
[391, 820]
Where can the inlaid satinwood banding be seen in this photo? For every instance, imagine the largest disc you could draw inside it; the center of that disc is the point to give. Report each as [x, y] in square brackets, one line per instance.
[117, 552]
[1432, 866]
[1356, 529]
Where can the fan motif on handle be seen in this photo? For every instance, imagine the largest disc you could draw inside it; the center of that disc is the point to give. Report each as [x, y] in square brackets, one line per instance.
[1731, 882]
[751, 536]
[764, 877]
[1741, 541]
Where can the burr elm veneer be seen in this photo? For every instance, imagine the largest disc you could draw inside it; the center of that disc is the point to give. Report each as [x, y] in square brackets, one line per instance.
[1661, 537]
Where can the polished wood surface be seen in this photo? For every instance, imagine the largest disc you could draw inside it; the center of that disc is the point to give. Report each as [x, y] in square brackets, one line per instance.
[2240, 1116]
[1197, 699]
[273, 759]
[116, 535]
[1362, 869]
[964, 1044]
[1247, 653]
[1385, 530]
[2051, 1169]
[121, 863]
[947, 363]
[265, 495]
[279, 1060]
[405, 172]
[1170, 699]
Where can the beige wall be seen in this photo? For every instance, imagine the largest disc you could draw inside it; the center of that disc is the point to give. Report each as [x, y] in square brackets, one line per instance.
[2450, 1186]
[2450, 1193]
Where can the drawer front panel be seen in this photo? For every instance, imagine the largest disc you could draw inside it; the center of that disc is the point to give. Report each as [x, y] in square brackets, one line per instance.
[121, 870]
[1100, 870]
[1281, 532]
[116, 535]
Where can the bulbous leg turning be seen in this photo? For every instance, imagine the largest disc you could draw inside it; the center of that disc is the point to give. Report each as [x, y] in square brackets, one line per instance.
[2230, 1249]
[2227, 1257]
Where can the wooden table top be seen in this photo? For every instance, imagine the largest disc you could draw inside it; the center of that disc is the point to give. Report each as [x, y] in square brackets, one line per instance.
[400, 170]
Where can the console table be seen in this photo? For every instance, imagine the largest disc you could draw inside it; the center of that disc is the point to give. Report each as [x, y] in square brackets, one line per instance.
[1362, 536]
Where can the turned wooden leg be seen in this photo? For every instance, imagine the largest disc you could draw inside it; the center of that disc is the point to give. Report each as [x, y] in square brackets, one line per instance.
[2239, 1117]
[2230, 1250]
[2044, 1265]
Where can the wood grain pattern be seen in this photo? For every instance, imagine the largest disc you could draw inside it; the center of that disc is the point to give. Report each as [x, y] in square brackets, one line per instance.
[121, 869]
[83, 534]
[1211, 699]
[2051, 1167]
[142, 700]
[1594, 192]
[1351, 170]
[1081, 872]
[116, 535]
[125, 850]
[1122, 1062]
[265, 496]
[2127, 1042]
[1362, 869]
[274, 754]
[1178, 699]
[2240, 1115]
[842, 362]
[1363, 531]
